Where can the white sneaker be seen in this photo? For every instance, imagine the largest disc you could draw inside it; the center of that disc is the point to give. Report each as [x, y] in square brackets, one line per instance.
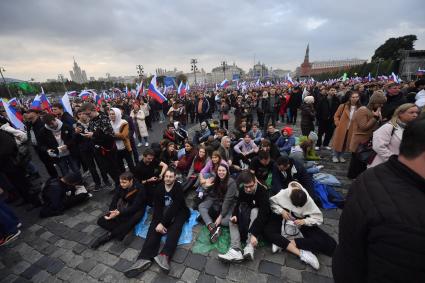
[309, 258]
[139, 144]
[80, 190]
[146, 144]
[320, 167]
[232, 255]
[276, 248]
[335, 159]
[248, 252]
[342, 159]
[317, 148]
[328, 148]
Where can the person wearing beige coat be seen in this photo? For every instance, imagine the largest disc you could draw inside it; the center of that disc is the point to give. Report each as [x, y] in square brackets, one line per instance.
[344, 130]
[365, 121]
[139, 117]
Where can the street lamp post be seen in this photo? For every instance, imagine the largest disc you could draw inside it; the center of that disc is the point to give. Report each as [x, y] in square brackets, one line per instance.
[379, 60]
[193, 63]
[60, 78]
[4, 80]
[140, 71]
[224, 65]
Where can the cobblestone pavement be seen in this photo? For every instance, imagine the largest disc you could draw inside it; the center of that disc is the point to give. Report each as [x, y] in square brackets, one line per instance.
[57, 250]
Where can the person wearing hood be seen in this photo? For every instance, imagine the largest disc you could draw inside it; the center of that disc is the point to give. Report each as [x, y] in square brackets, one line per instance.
[122, 139]
[294, 207]
[57, 139]
[286, 141]
[395, 98]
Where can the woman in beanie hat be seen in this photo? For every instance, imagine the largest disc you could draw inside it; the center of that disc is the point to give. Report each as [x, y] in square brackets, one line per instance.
[308, 115]
[365, 121]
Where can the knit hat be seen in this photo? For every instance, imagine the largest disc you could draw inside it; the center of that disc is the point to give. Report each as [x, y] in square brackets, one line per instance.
[309, 99]
[378, 97]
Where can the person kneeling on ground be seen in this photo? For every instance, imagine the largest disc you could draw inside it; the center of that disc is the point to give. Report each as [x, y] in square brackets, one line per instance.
[294, 204]
[125, 211]
[59, 194]
[220, 201]
[249, 218]
[169, 215]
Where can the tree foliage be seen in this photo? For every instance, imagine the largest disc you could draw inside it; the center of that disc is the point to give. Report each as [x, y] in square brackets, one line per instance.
[389, 50]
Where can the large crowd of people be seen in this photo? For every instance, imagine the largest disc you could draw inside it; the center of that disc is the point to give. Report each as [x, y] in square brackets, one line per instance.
[254, 176]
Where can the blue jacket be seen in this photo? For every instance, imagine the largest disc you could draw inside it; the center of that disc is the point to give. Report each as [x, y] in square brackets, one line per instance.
[285, 143]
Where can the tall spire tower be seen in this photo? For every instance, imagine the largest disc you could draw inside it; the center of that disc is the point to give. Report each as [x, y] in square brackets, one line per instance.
[306, 65]
[307, 54]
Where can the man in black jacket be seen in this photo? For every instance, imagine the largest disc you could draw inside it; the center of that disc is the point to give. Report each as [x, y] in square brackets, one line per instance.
[287, 170]
[381, 230]
[249, 218]
[169, 215]
[125, 211]
[395, 98]
[65, 117]
[326, 107]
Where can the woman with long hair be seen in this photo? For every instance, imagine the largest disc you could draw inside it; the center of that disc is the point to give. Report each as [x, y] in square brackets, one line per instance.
[366, 120]
[139, 118]
[344, 130]
[222, 191]
[386, 140]
[122, 139]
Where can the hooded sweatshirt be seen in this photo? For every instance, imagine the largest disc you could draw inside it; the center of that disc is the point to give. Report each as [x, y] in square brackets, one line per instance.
[116, 126]
[285, 143]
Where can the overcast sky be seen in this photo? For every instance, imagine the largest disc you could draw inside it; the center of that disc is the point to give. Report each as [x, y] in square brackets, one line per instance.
[39, 38]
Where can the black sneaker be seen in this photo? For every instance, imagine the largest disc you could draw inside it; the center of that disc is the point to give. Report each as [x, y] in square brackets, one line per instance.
[101, 241]
[162, 261]
[138, 267]
[9, 238]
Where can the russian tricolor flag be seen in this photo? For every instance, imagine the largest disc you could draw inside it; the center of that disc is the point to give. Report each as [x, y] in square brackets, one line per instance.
[154, 92]
[45, 103]
[139, 89]
[14, 116]
[224, 83]
[84, 95]
[66, 103]
[13, 102]
[181, 90]
[36, 103]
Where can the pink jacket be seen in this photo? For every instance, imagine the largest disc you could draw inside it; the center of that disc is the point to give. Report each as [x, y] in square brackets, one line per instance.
[385, 144]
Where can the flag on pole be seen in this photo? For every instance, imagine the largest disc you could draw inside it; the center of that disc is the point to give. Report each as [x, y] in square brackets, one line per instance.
[224, 83]
[139, 89]
[395, 78]
[187, 87]
[15, 117]
[181, 90]
[66, 103]
[13, 102]
[36, 103]
[154, 92]
[84, 95]
[344, 77]
[45, 103]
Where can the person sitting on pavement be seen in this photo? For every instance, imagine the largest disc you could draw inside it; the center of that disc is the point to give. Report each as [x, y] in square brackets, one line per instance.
[169, 215]
[262, 166]
[272, 133]
[245, 150]
[248, 219]
[202, 135]
[59, 194]
[286, 141]
[220, 201]
[287, 170]
[294, 206]
[125, 211]
[256, 134]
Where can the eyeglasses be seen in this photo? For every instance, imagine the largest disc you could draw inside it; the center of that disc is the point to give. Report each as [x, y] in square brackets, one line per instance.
[249, 186]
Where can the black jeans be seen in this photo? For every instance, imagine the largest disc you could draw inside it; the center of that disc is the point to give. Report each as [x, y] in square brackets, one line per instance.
[124, 154]
[88, 160]
[326, 127]
[121, 225]
[224, 124]
[153, 239]
[107, 161]
[315, 239]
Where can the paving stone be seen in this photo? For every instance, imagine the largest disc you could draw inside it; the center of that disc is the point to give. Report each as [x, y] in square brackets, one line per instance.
[87, 239]
[129, 254]
[55, 267]
[98, 270]
[40, 232]
[278, 257]
[148, 276]
[196, 261]
[71, 221]
[53, 239]
[40, 277]
[163, 278]
[49, 250]
[34, 228]
[176, 270]
[106, 258]
[105, 247]
[21, 280]
[10, 278]
[254, 277]
[205, 278]
[20, 267]
[40, 245]
[180, 255]
[294, 262]
[332, 213]
[324, 260]
[122, 265]
[22, 247]
[216, 268]
[274, 279]
[291, 274]
[65, 274]
[71, 259]
[90, 228]
[79, 277]
[137, 243]
[30, 271]
[117, 248]
[46, 235]
[44, 261]
[270, 268]
[237, 273]
[96, 212]
[190, 275]
[308, 277]
[66, 244]
[31, 255]
[87, 265]
[78, 249]
[80, 226]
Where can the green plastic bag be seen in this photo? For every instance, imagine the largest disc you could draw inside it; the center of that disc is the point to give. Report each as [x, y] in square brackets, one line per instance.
[203, 244]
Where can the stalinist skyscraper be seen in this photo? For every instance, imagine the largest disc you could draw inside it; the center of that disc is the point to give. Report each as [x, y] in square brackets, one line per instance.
[78, 75]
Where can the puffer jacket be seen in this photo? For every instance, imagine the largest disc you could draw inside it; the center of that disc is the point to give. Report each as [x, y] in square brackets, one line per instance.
[382, 227]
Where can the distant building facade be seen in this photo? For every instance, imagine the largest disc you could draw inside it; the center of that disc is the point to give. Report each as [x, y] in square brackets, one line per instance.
[308, 69]
[78, 75]
[218, 74]
[410, 62]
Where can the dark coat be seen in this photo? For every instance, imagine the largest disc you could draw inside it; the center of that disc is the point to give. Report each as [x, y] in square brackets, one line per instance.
[132, 202]
[46, 140]
[279, 182]
[67, 119]
[307, 118]
[382, 228]
[391, 105]
[325, 110]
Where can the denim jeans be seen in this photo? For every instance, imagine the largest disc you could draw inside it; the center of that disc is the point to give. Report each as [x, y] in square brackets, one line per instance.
[8, 220]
